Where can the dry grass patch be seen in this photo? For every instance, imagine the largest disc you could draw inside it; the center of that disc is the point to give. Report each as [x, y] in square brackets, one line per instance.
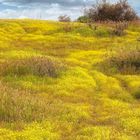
[124, 62]
[17, 105]
[40, 66]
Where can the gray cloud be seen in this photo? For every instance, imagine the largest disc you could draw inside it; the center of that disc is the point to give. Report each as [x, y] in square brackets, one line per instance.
[45, 9]
[66, 3]
[48, 9]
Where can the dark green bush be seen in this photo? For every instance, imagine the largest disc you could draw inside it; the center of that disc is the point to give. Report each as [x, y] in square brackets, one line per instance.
[83, 19]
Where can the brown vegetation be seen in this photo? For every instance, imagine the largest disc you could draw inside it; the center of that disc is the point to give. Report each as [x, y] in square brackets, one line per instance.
[103, 11]
[64, 18]
[40, 66]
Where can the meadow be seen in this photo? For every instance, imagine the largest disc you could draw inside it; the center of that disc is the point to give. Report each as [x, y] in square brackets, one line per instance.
[69, 81]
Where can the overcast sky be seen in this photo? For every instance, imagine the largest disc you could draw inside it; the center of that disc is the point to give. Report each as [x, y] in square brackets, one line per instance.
[48, 9]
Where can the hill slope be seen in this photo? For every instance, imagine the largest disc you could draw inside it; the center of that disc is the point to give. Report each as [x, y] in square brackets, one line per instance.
[62, 81]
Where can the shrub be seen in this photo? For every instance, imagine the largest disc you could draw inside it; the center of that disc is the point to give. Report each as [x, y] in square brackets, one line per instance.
[124, 61]
[104, 10]
[120, 28]
[64, 18]
[83, 19]
[40, 66]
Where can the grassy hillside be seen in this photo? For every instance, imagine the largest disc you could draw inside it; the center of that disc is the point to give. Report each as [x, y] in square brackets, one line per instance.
[61, 81]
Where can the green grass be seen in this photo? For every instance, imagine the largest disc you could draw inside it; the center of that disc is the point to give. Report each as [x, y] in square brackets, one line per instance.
[67, 81]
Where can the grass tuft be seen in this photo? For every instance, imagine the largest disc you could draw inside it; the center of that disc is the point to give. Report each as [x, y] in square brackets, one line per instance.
[40, 66]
